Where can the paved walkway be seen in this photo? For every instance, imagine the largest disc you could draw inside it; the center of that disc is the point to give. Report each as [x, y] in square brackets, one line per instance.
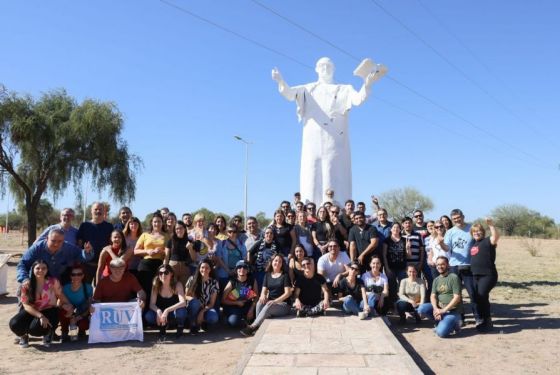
[332, 344]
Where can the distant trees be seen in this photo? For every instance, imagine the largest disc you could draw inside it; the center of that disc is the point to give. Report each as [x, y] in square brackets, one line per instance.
[518, 220]
[402, 202]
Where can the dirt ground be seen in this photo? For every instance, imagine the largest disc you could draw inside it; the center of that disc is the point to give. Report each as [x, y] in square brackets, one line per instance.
[526, 315]
[526, 308]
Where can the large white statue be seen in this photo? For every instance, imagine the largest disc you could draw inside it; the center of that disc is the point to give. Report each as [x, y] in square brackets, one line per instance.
[323, 108]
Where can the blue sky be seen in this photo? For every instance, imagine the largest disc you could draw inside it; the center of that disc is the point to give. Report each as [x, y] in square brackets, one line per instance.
[186, 88]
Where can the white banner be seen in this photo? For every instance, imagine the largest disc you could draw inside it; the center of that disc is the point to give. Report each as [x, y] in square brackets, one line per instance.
[113, 322]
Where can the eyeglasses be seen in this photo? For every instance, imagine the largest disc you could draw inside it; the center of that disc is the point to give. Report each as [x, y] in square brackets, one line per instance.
[166, 272]
[354, 269]
[77, 274]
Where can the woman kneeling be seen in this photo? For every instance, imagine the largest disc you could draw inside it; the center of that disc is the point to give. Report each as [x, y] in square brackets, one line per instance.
[412, 294]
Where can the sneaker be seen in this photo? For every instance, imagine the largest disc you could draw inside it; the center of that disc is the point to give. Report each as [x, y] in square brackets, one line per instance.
[194, 330]
[47, 341]
[458, 326]
[23, 341]
[301, 314]
[247, 331]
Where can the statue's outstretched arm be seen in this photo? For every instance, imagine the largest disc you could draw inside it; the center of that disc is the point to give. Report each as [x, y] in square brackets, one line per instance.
[372, 77]
[286, 91]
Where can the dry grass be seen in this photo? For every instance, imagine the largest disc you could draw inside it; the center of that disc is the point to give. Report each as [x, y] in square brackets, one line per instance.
[532, 245]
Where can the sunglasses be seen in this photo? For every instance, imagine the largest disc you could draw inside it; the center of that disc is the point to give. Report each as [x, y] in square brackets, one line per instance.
[438, 226]
[334, 212]
[166, 272]
[354, 269]
[76, 274]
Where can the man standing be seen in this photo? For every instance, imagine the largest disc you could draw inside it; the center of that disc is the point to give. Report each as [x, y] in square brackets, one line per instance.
[253, 233]
[458, 242]
[56, 252]
[345, 217]
[97, 232]
[416, 244]
[332, 264]
[363, 241]
[70, 232]
[419, 224]
[446, 305]
[383, 225]
[125, 213]
[421, 227]
[188, 220]
[329, 193]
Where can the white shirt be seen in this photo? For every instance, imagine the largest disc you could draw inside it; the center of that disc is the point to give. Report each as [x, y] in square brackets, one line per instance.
[330, 269]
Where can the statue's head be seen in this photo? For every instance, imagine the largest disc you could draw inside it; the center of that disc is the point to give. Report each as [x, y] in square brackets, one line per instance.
[325, 69]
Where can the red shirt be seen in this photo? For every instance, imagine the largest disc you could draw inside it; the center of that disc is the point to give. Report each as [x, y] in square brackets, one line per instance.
[123, 291]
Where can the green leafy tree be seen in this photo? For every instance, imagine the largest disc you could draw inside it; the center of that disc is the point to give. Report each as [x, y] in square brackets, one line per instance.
[51, 143]
[518, 220]
[402, 202]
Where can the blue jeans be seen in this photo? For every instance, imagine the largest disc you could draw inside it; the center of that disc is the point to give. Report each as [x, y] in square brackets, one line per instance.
[259, 276]
[177, 317]
[372, 300]
[405, 306]
[235, 314]
[351, 306]
[450, 321]
[210, 316]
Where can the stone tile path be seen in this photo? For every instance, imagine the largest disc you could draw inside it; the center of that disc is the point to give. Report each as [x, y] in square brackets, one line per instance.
[331, 344]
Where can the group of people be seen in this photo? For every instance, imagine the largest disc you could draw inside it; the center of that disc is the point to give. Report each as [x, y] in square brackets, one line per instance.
[187, 273]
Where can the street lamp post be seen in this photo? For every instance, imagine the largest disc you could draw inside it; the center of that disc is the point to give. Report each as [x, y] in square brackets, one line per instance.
[246, 143]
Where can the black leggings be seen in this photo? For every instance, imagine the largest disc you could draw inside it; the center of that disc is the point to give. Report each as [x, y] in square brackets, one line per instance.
[147, 270]
[483, 284]
[24, 323]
